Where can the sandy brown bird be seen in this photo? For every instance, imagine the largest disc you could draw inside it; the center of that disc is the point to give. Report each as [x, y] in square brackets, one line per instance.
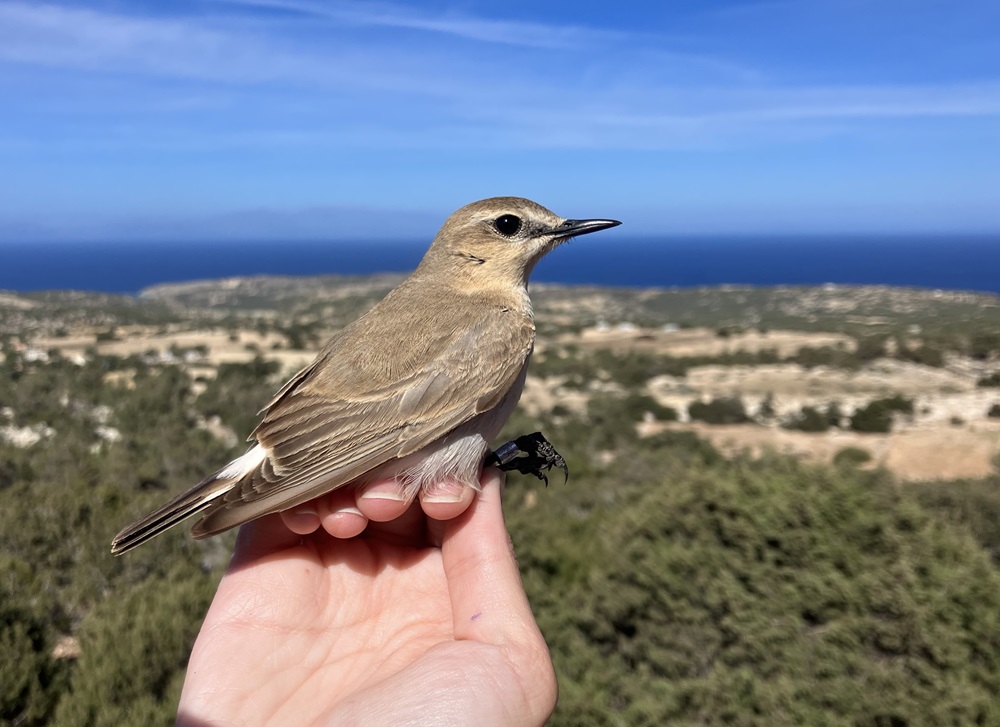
[415, 389]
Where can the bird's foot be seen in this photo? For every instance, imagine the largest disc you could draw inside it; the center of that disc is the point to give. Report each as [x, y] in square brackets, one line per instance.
[531, 454]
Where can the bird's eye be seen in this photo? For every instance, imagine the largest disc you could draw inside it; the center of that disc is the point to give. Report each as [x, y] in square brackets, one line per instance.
[507, 225]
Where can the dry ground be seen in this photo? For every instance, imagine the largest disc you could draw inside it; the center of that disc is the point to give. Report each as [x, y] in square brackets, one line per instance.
[137, 340]
[949, 435]
[703, 341]
[912, 454]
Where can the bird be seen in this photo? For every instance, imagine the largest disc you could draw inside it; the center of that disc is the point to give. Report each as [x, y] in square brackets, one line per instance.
[414, 390]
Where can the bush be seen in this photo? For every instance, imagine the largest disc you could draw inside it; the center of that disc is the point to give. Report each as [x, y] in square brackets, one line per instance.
[833, 414]
[851, 457]
[896, 403]
[994, 411]
[725, 410]
[766, 411]
[877, 415]
[809, 419]
[30, 679]
[925, 354]
[972, 504]
[870, 348]
[810, 357]
[984, 345]
[991, 380]
[872, 419]
[133, 652]
[618, 415]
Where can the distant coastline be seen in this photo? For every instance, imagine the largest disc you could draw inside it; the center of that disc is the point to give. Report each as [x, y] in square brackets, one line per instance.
[954, 262]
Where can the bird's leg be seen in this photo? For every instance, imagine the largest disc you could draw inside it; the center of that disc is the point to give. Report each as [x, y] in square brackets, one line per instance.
[537, 457]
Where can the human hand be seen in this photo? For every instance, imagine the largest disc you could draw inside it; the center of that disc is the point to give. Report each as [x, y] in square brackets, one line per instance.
[417, 621]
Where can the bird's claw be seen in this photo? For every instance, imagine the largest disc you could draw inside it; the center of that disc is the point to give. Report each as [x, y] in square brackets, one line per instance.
[531, 454]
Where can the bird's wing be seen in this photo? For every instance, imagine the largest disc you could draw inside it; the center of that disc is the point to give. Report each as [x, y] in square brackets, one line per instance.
[349, 414]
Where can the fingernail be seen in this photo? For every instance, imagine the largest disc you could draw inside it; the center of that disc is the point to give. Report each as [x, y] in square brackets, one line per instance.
[444, 494]
[305, 510]
[392, 494]
[350, 510]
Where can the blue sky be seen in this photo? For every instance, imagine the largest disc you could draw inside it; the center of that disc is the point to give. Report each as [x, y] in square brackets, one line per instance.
[206, 119]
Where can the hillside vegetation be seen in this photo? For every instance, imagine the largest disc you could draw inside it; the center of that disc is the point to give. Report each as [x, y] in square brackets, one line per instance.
[674, 584]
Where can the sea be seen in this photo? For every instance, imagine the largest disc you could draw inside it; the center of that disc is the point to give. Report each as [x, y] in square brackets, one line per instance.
[954, 262]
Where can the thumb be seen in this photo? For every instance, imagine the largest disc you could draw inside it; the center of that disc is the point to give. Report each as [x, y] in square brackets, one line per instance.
[488, 600]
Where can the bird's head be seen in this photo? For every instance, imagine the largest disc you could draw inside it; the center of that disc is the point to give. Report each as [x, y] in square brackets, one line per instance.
[501, 238]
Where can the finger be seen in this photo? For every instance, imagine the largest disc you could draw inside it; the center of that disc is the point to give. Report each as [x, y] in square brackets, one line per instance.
[303, 519]
[488, 600]
[382, 501]
[446, 499]
[339, 515]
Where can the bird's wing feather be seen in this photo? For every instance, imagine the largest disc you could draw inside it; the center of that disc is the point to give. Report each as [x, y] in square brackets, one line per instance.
[348, 414]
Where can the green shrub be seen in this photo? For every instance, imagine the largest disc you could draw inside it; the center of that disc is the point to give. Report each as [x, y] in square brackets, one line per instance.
[851, 457]
[925, 354]
[876, 416]
[984, 345]
[133, 652]
[870, 348]
[618, 415]
[30, 679]
[991, 380]
[810, 357]
[724, 410]
[973, 504]
[809, 419]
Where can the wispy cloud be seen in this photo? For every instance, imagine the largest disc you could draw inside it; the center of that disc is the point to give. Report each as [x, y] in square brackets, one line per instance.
[622, 102]
[213, 49]
[82, 40]
[465, 26]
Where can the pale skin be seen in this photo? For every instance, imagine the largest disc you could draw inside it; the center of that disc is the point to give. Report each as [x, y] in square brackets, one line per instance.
[421, 620]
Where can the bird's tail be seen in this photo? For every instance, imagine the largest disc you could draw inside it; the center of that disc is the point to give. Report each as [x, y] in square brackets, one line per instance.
[165, 517]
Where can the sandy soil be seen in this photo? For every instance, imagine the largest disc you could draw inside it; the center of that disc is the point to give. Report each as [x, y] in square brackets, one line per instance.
[13, 301]
[912, 454]
[221, 349]
[703, 341]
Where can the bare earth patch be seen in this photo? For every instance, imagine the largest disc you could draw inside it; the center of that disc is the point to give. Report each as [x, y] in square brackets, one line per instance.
[221, 346]
[912, 455]
[704, 341]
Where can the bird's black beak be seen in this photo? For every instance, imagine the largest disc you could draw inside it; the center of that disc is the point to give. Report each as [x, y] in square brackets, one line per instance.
[572, 228]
